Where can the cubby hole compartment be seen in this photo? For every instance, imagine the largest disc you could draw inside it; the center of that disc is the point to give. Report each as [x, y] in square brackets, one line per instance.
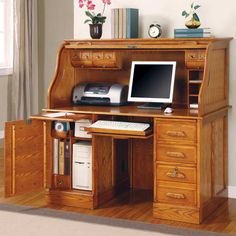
[195, 76]
[193, 100]
[194, 89]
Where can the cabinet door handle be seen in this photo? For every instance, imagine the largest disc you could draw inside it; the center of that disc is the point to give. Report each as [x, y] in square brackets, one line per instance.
[175, 154]
[176, 195]
[60, 182]
[176, 133]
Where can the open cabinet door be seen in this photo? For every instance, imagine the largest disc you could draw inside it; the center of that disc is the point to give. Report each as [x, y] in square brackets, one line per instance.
[26, 157]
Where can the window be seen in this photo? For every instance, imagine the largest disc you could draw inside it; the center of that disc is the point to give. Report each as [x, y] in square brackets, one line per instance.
[6, 36]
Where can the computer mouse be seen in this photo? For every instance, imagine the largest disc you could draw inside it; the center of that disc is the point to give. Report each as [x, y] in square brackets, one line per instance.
[168, 110]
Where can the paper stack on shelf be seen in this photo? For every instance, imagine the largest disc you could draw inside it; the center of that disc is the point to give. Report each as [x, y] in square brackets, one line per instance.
[124, 23]
[193, 33]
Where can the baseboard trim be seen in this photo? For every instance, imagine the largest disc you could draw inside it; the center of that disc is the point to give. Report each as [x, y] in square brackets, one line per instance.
[232, 191]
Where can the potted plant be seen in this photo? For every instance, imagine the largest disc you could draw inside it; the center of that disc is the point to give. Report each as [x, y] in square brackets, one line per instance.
[193, 20]
[95, 20]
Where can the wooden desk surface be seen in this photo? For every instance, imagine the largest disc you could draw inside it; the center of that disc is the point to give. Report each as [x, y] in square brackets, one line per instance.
[127, 111]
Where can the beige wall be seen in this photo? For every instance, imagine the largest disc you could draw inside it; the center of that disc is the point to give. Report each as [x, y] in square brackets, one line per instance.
[55, 22]
[4, 104]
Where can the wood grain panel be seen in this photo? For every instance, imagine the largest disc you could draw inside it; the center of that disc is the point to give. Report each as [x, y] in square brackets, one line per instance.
[142, 156]
[218, 156]
[205, 164]
[70, 198]
[24, 166]
[102, 147]
[175, 212]
[120, 165]
[61, 87]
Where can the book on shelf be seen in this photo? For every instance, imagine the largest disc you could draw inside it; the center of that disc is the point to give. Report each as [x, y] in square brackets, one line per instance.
[193, 31]
[124, 23]
[192, 35]
[55, 156]
[132, 23]
[61, 161]
[67, 157]
[116, 21]
[120, 23]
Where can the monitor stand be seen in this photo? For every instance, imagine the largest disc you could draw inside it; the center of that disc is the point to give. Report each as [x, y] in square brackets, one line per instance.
[153, 105]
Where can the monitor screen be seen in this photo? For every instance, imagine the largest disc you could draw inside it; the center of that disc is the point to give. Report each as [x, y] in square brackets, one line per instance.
[152, 81]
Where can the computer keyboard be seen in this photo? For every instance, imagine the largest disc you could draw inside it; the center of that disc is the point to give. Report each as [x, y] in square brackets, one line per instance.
[120, 125]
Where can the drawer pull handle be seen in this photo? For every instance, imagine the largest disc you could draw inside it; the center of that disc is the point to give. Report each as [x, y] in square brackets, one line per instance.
[60, 182]
[176, 133]
[175, 195]
[175, 174]
[175, 154]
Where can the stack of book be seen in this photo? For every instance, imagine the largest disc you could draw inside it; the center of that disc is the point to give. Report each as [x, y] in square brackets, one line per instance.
[192, 33]
[124, 23]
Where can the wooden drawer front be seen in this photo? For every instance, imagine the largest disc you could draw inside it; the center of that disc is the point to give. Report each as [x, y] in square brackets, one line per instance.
[104, 59]
[195, 59]
[185, 197]
[171, 153]
[176, 173]
[97, 56]
[81, 59]
[176, 130]
[85, 56]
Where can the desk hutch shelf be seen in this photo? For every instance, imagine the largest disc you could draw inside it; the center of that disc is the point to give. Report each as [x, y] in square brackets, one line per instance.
[183, 161]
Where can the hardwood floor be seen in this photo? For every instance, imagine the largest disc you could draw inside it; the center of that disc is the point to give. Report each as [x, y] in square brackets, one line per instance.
[132, 206]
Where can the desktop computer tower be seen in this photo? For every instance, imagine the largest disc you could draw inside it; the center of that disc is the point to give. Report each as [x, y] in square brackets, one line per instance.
[82, 166]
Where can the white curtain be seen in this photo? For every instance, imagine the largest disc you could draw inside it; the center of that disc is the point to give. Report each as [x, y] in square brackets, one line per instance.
[25, 63]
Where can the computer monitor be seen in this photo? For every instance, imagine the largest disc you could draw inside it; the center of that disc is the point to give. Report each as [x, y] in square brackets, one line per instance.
[152, 82]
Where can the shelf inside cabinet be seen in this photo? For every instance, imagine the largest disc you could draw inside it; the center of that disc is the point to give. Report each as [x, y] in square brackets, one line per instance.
[81, 139]
[62, 135]
[193, 95]
[195, 81]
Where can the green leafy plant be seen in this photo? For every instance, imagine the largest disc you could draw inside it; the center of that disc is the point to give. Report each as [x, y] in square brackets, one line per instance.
[192, 12]
[95, 19]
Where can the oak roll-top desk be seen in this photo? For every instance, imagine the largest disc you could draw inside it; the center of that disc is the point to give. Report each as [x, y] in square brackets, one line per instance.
[183, 161]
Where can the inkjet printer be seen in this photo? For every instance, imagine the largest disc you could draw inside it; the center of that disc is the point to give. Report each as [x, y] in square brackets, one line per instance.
[100, 94]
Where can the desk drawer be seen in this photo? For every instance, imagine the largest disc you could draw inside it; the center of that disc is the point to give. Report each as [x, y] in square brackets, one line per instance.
[195, 59]
[180, 131]
[176, 153]
[176, 173]
[106, 59]
[178, 196]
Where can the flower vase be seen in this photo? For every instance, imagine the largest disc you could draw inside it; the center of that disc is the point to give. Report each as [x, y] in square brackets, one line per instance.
[95, 31]
[193, 22]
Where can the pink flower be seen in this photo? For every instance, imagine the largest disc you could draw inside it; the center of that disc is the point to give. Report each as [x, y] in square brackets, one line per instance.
[81, 3]
[107, 2]
[90, 5]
